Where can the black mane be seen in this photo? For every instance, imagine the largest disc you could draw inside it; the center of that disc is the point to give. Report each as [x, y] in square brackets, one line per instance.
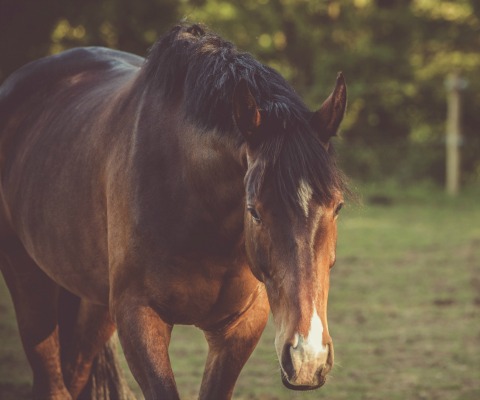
[203, 69]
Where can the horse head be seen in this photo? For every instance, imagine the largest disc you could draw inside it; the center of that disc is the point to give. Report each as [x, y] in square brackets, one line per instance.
[293, 197]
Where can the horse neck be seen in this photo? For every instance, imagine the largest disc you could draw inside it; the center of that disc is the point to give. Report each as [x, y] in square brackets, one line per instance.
[188, 180]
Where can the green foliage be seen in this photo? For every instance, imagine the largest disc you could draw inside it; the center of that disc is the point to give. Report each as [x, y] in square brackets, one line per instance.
[395, 55]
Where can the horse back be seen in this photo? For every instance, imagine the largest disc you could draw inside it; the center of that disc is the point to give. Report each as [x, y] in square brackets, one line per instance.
[54, 85]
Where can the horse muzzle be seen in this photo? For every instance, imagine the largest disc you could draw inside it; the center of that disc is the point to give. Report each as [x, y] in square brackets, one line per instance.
[305, 365]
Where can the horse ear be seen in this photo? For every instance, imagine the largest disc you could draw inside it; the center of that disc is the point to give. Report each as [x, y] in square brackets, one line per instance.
[245, 110]
[327, 119]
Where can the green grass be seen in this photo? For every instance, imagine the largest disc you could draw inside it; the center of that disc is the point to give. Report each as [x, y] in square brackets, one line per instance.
[404, 309]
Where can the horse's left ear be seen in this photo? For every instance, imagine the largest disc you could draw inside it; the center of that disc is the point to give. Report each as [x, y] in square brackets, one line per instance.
[245, 111]
[327, 119]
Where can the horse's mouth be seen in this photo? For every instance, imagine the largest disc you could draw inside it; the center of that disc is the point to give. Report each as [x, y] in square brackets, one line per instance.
[321, 381]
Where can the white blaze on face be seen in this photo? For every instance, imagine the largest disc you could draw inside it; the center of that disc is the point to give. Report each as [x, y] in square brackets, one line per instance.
[304, 195]
[315, 335]
[313, 342]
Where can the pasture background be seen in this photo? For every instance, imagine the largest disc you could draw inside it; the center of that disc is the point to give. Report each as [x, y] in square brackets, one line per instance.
[404, 309]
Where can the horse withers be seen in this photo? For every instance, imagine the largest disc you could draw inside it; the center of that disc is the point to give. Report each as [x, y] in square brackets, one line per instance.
[193, 187]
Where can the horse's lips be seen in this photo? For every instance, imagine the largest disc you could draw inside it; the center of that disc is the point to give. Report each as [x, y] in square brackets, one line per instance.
[321, 381]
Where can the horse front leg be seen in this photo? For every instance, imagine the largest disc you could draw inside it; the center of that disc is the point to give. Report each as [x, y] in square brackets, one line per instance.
[229, 349]
[145, 339]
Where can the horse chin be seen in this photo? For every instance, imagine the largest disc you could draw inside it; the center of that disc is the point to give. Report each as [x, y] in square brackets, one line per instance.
[300, 388]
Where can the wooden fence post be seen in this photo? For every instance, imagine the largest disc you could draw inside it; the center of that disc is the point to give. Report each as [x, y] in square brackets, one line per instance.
[454, 85]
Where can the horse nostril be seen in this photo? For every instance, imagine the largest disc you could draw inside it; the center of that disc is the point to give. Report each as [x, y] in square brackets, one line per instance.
[287, 363]
[330, 358]
[321, 376]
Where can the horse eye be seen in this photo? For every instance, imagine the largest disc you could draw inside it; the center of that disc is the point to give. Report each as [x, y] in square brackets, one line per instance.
[339, 207]
[254, 214]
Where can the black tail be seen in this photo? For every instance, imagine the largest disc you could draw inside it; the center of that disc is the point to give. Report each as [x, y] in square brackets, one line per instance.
[106, 378]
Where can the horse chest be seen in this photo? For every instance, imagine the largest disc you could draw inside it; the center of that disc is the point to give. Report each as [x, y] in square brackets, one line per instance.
[201, 295]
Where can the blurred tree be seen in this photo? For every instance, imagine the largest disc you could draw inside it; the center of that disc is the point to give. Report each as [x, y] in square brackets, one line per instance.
[30, 29]
[25, 28]
[394, 53]
[447, 40]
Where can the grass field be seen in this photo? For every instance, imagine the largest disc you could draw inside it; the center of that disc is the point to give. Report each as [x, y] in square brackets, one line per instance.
[404, 309]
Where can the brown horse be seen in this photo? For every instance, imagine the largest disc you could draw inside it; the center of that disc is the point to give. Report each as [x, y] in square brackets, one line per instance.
[191, 188]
